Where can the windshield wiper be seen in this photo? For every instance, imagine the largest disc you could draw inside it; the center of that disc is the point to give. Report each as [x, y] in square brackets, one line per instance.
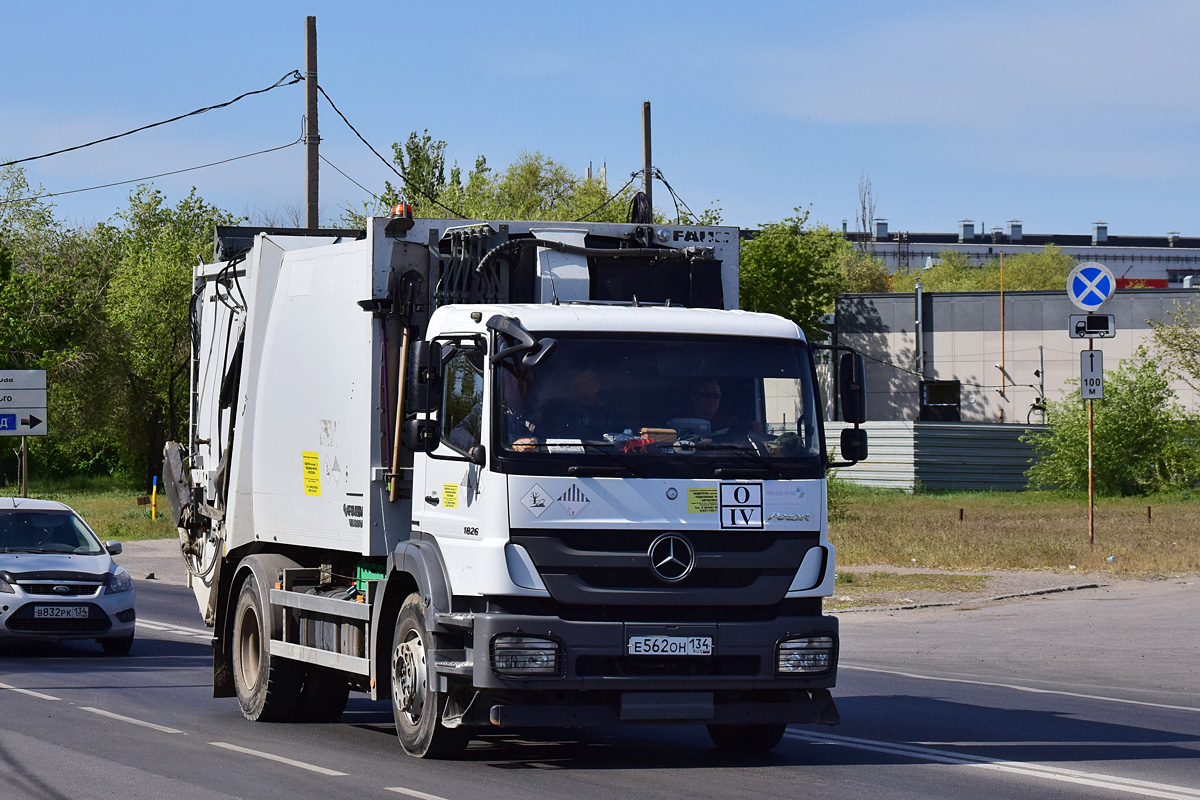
[762, 463]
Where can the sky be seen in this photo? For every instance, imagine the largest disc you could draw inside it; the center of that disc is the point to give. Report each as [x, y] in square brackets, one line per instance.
[1058, 114]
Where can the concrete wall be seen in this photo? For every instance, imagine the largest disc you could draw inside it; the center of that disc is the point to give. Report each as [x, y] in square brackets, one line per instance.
[962, 340]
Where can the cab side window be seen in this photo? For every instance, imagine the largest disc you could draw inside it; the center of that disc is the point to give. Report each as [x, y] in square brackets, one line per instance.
[462, 399]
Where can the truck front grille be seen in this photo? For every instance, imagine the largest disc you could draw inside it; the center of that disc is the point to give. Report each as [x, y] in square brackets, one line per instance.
[612, 568]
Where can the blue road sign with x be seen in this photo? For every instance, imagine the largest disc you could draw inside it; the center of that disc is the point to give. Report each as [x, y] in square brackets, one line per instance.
[1089, 285]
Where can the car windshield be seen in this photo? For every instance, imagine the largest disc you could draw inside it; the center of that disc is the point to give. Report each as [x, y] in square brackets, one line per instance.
[41, 531]
[749, 398]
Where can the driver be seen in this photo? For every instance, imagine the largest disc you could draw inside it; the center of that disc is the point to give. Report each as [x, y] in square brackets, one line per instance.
[581, 413]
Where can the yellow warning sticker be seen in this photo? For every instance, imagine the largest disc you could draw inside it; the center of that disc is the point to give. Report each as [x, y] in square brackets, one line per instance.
[312, 473]
[449, 495]
[702, 501]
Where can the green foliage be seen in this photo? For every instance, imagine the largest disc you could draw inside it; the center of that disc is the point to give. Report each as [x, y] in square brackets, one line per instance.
[1142, 441]
[793, 271]
[147, 307]
[955, 272]
[864, 274]
[1178, 342]
[534, 186]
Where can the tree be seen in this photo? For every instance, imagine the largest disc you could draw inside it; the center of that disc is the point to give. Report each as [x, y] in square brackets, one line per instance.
[147, 307]
[534, 186]
[954, 272]
[794, 272]
[1142, 440]
[1178, 342]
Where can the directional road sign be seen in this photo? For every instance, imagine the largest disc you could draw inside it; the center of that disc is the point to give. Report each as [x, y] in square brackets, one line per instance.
[23, 402]
[1091, 375]
[1089, 285]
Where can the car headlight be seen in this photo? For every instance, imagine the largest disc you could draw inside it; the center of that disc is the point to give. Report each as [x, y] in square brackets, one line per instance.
[119, 581]
[5, 587]
[804, 654]
[525, 655]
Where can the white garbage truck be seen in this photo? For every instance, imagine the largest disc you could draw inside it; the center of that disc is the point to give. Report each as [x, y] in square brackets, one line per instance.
[508, 474]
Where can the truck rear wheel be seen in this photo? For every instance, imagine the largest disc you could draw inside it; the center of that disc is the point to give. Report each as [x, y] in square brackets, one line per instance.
[746, 738]
[324, 695]
[416, 705]
[268, 689]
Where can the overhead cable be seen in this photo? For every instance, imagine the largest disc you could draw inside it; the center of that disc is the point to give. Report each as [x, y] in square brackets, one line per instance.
[152, 177]
[387, 163]
[295, 76]
[614, 196]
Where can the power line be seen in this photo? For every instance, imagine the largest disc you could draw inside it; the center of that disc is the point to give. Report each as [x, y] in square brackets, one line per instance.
[295, 76]
[632, 178]
[347, 177]
[152, 177]
[387, 163]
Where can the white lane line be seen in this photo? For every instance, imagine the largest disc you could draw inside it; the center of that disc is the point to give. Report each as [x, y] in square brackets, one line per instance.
[1193, 743]
[29, 692]
[413, 793]
[1018, 688]
[131, 720]
[1078, 777]
[280, 759]
[177, 630]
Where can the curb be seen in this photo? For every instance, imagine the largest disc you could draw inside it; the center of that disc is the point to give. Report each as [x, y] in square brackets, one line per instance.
[996, 599]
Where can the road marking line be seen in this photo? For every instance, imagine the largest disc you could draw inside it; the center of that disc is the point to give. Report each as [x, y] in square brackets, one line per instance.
[280, 759]
[1131, 785]
[131, 720]
[1194, 743]
[29, 692]
[1018, 688]
[178, 630]
[413, 793]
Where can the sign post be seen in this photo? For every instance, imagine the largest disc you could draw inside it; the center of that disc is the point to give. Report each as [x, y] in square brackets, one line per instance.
[1089, 285]
[23, 411]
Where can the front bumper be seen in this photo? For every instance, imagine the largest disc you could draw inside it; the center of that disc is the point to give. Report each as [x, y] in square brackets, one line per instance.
[600, 683]
[108, 616]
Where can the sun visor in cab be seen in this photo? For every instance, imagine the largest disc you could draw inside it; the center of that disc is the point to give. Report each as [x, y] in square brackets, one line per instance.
[695, 283]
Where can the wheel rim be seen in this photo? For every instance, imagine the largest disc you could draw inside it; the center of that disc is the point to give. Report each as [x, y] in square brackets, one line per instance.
[408, 677]
[249, 659]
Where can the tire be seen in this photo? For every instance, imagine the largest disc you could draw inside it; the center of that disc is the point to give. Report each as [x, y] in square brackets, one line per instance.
[417, 706]
[747, 738]
[268, 690]
[323, 696]
[117, 647]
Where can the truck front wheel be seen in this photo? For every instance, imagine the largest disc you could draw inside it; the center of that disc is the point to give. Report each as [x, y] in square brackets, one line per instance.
[416, 705]
[746, 738]
[268, 689]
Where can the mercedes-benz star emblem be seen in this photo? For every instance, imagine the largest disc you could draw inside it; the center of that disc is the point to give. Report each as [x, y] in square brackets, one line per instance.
[671, 557]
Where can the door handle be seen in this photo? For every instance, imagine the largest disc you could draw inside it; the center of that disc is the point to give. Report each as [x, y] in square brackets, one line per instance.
[433, 500]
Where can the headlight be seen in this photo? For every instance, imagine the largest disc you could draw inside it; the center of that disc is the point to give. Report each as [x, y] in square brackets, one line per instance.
[525, 655]
[119, 581]
[5, 588]
[807, 654]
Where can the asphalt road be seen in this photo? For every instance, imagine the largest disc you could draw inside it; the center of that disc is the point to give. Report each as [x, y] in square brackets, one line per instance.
[1087, 694]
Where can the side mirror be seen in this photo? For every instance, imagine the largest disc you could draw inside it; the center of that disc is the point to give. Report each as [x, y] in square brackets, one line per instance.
[852, 386]
[421, 435]
[424, 391]
[854, 444]
[478, 455]
[113, 548]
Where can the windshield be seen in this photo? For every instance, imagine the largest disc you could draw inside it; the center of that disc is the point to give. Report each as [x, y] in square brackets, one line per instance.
[46, 532]
[695, 397]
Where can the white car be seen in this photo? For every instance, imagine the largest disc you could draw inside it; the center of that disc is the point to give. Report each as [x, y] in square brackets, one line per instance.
[57, 581]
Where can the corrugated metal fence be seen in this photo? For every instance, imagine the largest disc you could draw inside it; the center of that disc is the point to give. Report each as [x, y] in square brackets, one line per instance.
[940, 455]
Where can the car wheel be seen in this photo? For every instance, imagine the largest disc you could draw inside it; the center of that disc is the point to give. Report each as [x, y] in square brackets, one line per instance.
[746, 738]
[117, 647]
[417, 706]
[268, 689]
[323, 696]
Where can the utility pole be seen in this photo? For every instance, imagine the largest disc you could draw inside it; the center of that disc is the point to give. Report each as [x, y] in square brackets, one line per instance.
[312, 137]
[647, 176]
